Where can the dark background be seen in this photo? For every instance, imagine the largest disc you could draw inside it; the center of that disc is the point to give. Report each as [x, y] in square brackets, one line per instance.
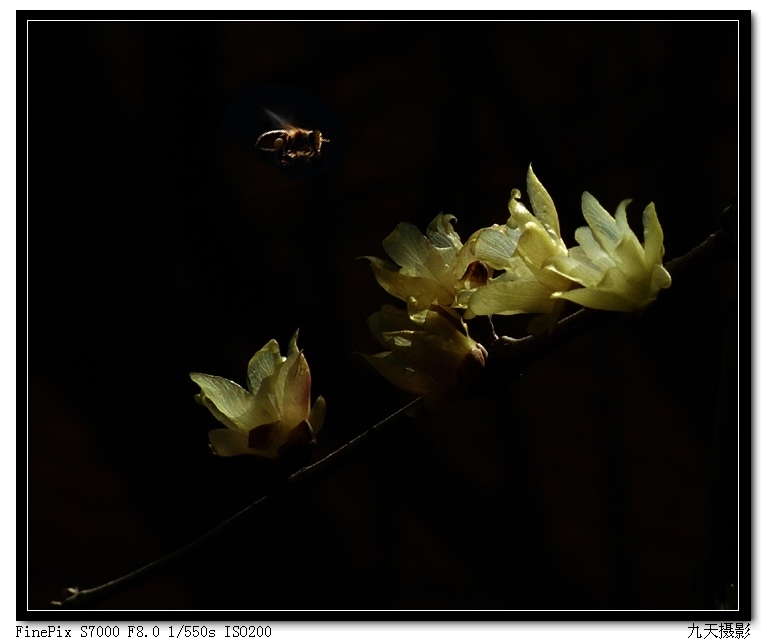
[603, 479]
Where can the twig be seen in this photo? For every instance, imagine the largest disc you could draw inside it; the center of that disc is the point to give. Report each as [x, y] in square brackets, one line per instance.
[513, 354]
[306, 478]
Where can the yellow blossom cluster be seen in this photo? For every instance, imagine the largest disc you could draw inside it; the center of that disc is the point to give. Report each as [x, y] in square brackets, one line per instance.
[522, 267]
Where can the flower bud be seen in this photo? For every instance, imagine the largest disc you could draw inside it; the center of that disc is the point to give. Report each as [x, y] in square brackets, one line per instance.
[430, 352]
[614, 270]
[434, 269]
[522, 249]
[272, 418]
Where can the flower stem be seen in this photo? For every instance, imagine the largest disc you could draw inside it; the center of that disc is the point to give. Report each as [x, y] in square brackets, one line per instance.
[302, 480]
[512, 355]
[515, 354]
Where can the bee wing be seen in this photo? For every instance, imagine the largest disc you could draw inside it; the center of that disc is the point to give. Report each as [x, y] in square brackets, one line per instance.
[279, 121]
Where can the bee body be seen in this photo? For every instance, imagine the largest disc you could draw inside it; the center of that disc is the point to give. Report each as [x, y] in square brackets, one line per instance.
[292, 146]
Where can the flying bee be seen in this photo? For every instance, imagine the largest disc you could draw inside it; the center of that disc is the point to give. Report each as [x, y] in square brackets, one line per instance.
[291, 146]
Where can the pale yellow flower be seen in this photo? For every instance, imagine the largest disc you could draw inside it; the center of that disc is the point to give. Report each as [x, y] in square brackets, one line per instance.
[616, 272]
[430, 351]
[272, 417]
[430, 269]
[523, 249]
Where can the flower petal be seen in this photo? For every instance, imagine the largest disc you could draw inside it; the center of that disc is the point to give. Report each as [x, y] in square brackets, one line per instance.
[398, 374]
[235, 403]
[495, 247]
[518, 213]
[424, 289]
[263, 365]
[629, 258]
[229, 442]
[317, 415]
[535, 246]
[443, 321]
[511, 297]
[660, 279]
[465, 257]
[629, 251]
[577, 269]
[389, 319]
[653, 236]
[437, 356]
[220, 417]
[293, 390]
[598, 298]
[293, 345]
[410, 249]
[593, 250]
[441, 234]
[603, 225]
[621, 219]
[543, 205]
[462, 299]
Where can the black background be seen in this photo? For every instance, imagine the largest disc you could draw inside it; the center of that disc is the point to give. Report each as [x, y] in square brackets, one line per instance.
[157, 247]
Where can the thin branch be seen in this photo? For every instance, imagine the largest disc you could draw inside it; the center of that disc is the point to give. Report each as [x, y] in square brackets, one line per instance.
[512, 354]
[303, 480]
[515, 354]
